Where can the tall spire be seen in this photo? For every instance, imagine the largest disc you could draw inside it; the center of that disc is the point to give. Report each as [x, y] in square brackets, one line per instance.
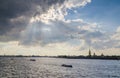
[89, 53]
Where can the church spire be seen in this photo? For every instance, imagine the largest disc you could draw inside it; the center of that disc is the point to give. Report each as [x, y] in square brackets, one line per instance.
[89, 53]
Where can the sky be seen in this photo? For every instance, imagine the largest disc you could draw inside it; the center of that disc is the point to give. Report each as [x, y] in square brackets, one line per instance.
[59, 27]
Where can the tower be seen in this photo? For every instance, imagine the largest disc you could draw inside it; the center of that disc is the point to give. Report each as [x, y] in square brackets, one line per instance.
[89, 53]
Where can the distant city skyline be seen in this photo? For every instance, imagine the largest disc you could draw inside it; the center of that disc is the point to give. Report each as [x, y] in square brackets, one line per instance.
[59, 27]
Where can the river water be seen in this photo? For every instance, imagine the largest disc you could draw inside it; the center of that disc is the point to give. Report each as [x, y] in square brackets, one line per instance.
[22, 67]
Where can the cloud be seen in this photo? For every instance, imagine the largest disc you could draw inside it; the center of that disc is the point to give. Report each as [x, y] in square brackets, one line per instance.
[107, 40]
[51, 26]
[12, 48]
[16, 16]
[58, 12]
[116, 35]
[59, 31]
[43, 22]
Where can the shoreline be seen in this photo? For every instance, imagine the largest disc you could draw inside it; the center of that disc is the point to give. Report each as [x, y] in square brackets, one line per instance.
[70, 57]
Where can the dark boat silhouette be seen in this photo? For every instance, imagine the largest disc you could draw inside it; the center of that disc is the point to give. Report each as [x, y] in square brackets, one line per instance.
[65, 65]
[12, 59]
[32, 60]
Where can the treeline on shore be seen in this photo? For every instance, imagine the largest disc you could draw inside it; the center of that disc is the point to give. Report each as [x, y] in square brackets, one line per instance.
[70, 57]
[91, 57]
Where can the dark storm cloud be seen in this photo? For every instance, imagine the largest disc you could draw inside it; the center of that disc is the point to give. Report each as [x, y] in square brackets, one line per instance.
[11, 12]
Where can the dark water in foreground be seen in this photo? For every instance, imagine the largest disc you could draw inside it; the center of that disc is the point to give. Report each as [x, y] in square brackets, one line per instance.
[51, 68]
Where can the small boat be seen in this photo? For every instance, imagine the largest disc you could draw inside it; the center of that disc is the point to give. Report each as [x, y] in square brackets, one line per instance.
[65, 65]
[12, 59]
[32, 60]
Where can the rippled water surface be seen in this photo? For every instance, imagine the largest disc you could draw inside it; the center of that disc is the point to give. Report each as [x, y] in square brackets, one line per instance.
[51, 68]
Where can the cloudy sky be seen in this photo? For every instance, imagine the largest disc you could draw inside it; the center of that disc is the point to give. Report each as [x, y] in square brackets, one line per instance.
[59, 27]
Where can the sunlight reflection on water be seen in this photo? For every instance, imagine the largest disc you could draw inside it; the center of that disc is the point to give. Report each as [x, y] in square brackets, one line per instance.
[51, 68]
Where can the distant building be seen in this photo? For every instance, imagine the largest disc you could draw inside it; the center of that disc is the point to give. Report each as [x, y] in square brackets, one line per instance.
[94, 54]
[102, 54]
[89, 53]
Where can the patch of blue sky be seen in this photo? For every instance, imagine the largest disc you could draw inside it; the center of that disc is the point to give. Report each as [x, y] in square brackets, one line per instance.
[104, 12]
